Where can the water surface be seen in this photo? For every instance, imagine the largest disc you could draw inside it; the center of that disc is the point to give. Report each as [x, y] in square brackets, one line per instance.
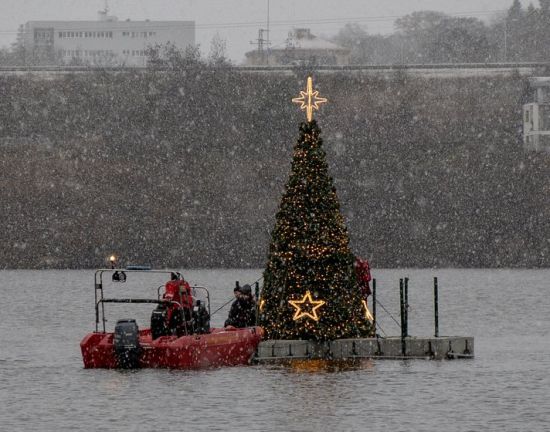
[43, 386]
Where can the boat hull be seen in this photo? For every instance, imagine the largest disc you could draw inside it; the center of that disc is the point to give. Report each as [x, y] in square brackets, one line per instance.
[220, 347]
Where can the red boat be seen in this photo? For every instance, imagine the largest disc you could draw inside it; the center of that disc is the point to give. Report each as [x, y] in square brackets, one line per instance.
[179, 337]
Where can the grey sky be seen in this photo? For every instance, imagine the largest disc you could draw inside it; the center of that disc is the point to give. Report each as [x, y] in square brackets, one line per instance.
[238, 21]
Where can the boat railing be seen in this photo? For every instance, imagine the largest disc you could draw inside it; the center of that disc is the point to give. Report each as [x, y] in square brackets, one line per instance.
[207, 294]
[100, 300]
[98, 288]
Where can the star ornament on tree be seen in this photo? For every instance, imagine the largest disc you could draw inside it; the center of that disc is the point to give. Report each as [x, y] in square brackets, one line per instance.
[307, 307]
[368, 315]
[309, 100]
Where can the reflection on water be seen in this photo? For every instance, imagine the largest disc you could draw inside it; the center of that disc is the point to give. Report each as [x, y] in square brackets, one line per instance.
[323, 366]
[43, 386]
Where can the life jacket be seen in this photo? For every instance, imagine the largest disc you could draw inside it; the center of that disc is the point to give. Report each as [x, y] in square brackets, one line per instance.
[179, 291]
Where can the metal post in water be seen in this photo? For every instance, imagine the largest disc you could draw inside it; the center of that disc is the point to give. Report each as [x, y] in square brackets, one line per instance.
[436, 308]
[374, 305]
[257, 292]
[406, 306]
[402, 310]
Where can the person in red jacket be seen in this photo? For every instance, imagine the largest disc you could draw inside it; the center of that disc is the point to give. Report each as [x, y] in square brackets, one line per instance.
[178, 290]
[180, 309]
[362, 272]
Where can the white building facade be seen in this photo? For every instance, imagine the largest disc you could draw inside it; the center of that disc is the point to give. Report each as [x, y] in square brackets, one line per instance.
[536, 116]
[107, 41]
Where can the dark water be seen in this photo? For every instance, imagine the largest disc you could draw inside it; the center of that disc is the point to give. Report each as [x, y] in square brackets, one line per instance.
[43, 386]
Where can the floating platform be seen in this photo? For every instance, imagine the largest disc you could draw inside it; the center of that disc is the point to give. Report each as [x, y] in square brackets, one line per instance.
[438, 348]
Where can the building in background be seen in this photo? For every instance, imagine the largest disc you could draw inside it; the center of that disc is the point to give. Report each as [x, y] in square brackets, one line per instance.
[106, 41]
[301, 48]
[536, 116]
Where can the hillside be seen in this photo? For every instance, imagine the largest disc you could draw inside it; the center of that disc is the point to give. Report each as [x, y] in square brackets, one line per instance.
[186, 168]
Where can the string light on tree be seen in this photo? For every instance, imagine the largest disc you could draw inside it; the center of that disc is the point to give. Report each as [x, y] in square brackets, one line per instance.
[368, 314]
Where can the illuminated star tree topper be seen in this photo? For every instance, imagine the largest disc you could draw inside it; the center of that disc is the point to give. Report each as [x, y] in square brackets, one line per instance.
[309, 100]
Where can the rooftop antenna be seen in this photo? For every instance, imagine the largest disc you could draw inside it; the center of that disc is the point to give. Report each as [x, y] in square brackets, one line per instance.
[103, 14]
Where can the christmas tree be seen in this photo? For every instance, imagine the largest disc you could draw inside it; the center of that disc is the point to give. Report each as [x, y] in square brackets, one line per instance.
[310, 288]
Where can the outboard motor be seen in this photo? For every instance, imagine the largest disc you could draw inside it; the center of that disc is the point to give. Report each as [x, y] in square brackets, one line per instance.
[126, 343]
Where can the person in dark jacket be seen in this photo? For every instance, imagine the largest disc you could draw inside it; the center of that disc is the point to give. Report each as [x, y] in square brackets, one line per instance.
[243, 309]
